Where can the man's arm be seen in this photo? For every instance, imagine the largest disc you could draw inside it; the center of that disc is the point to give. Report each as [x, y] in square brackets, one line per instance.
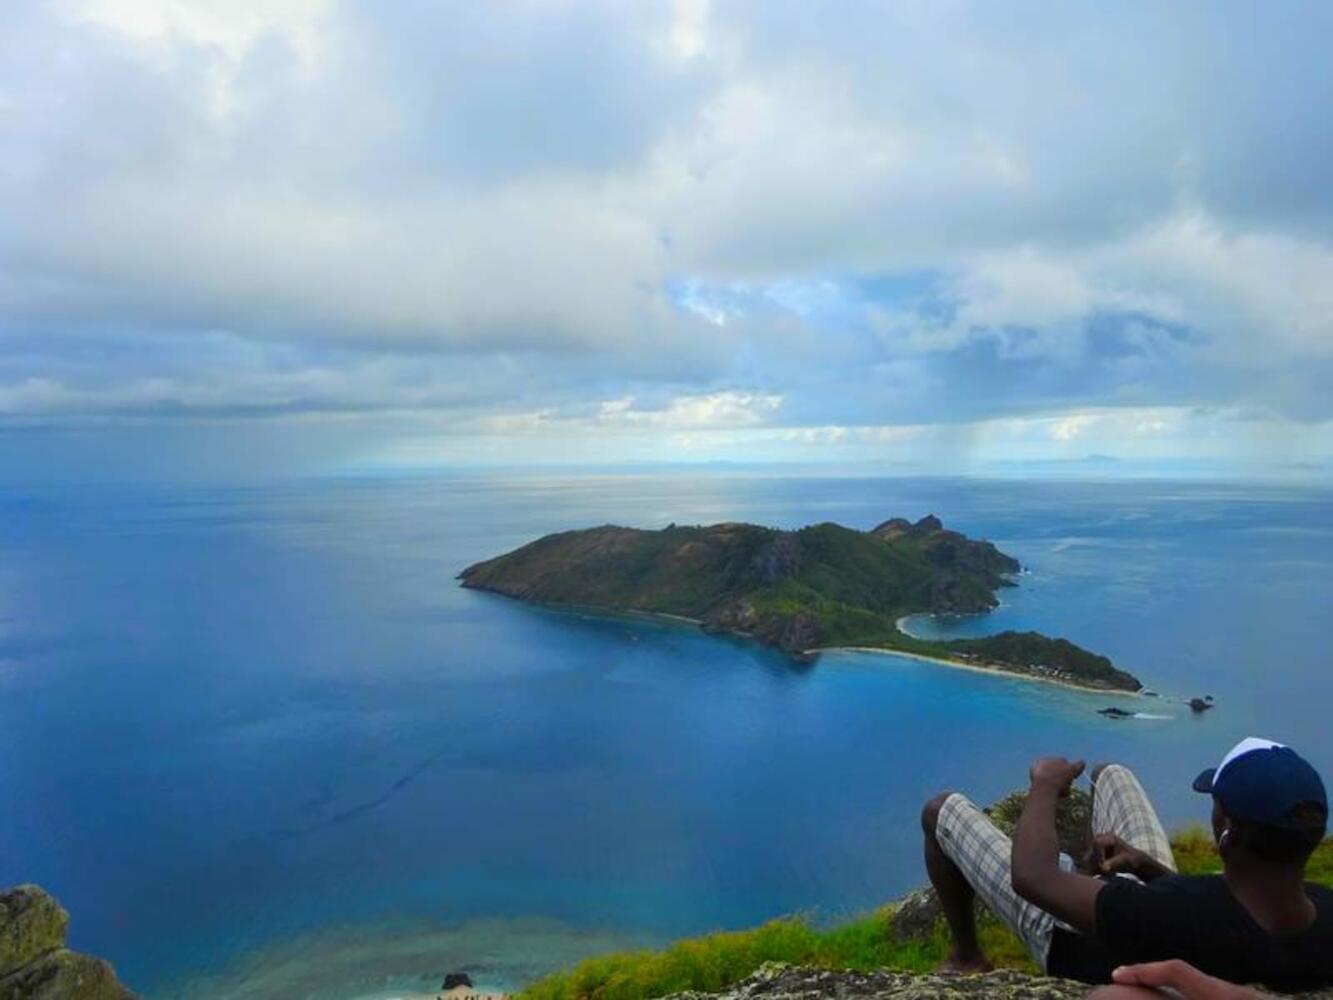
[1035, 862]
[1147, 981]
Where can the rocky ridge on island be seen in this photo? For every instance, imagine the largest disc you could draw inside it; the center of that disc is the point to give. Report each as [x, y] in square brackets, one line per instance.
[801, 591]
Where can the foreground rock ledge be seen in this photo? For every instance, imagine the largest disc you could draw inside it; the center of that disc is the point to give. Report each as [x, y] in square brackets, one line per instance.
[794, 982]
[34, 962]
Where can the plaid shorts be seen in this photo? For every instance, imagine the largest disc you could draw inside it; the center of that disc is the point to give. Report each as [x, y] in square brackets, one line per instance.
[983, 854]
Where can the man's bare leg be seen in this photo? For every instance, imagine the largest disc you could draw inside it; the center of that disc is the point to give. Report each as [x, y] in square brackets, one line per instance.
[956, 896]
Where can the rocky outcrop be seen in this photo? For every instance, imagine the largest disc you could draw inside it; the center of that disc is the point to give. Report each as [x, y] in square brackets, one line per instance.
[780, 559]
[797, 982]
[795, 633]
[779, 982]
[952, 551]
[31, 924]
[1073, 820]
[34, 962]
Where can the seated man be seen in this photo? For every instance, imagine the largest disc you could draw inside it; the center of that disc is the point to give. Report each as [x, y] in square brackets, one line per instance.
[1257, 922]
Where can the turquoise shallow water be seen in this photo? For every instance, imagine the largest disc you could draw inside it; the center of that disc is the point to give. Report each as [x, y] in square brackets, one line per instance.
[243, 729]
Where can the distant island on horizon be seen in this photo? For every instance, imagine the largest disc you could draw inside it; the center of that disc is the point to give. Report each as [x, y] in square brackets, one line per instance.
[816, 588]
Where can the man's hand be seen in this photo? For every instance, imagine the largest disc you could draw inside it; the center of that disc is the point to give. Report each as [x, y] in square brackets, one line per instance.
[1182, 977]
[1055, 773]
[1111, 856]
[1035, 871]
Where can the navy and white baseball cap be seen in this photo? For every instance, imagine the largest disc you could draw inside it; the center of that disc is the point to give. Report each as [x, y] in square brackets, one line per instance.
[1266, 782]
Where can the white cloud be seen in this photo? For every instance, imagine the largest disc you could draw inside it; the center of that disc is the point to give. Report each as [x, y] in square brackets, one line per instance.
[1070, 427]
[689, 27]
[417, 207]
[1244, 289]
[715, 410]
[234, 26]
[1114, 441]
[712, 411]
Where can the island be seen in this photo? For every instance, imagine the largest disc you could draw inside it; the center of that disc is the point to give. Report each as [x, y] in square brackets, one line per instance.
[820, 587]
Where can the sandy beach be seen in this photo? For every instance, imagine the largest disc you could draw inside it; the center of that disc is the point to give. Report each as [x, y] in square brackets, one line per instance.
[979, 668]
[884, 651]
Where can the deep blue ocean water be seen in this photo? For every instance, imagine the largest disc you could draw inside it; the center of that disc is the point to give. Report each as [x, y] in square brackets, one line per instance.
[247, 731]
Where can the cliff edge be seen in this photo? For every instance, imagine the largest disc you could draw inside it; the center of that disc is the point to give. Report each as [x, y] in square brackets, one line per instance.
[34, 962]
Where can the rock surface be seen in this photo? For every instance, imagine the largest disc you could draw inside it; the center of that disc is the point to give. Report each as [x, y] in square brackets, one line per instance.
[795, 982]
[1073, 820]
[34, 962]
[31, 924]
[63, 975]
[776, 982]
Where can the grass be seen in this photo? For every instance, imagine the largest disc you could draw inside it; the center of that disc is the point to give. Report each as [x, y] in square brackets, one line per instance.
[715, 961]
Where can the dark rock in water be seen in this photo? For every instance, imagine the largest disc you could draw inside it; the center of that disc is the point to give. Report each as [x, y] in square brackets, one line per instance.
[456, 979]
[34, 962]
[1198, 705]
[1115, 713]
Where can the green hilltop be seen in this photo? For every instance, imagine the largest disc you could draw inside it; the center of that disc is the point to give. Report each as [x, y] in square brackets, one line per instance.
[800, 591]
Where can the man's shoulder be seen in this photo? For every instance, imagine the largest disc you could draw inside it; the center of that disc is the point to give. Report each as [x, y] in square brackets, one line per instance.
[1164, 891]
[1129, 894]
[1191, 883]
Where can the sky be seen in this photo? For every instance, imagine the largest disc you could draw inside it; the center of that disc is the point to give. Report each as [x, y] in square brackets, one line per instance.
[250, 237]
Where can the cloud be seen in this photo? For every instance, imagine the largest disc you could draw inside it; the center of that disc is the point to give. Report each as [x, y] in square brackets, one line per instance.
[1068, 428]
[904, 216]
[711, 412]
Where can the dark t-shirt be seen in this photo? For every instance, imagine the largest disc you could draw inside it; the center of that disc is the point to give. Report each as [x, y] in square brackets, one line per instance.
[1195, 918]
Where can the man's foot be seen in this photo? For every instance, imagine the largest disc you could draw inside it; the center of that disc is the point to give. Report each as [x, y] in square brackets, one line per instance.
[966, 963]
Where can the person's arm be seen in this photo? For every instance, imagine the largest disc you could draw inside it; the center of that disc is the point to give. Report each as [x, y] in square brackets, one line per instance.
[1187, 981]
[1035, 862]
[1111, 856]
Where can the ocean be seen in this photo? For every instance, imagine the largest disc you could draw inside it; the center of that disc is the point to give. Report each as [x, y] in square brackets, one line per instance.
[259, 742]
